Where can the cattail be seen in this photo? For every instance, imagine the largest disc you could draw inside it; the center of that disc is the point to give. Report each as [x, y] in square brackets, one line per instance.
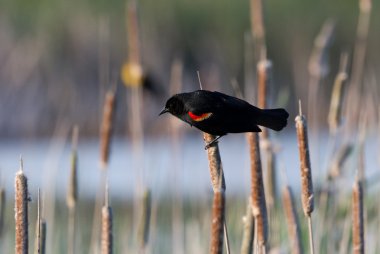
[335, 112]
[249, 230]
[144, 226]
[215, 163]
[218, 220]
[270, 177]
[106, 128]
[72, 193]
[292, 220]
[259, 209]
[2, 210]
[21, 211]
[264, 79]
[306, 178]
[258, 28]
[357, 218]
[107, 220]
[219, 187]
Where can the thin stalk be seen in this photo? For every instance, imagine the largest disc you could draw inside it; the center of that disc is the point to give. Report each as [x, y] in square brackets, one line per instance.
[310, 230]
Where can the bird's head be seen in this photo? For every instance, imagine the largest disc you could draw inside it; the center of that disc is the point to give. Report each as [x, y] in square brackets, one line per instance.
[174, 105]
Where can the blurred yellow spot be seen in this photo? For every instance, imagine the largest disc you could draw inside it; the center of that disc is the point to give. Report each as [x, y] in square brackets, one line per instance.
[131, 74]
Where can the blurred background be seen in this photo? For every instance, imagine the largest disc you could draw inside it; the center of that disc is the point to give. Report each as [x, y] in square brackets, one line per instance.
[54, 54]
[59, 58]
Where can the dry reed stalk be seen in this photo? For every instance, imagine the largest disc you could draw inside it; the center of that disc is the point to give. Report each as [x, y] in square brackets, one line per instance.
[336, 165]
[258, 28]
[106, 128]
[177, 204]
[40, 236]
[264, 80]
[259, 209]
[72, 192]
[2, 209]
[21, 211]
[249, 230]
[357, 218]
[335, 112]
[107, 221]
[218, 221]
[358, 62]
[144, 225]
[306, 177]
[270, 176]
[292, 220]
[215, 163]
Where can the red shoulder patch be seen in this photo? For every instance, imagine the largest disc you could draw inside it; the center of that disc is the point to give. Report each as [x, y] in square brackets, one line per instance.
[199, 118]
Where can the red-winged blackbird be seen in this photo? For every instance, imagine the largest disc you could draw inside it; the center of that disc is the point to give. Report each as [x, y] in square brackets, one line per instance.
[219, 114]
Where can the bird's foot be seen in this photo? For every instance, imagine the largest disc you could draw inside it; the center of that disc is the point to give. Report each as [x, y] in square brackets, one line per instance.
[212, 142]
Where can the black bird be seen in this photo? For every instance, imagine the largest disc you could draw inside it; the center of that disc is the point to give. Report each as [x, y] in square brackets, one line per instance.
[219, 114]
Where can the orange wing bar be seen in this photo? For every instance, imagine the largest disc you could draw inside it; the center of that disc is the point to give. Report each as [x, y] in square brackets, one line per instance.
[200, 117]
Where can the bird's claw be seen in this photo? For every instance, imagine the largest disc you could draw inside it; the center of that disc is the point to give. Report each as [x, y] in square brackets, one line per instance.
[210, 144]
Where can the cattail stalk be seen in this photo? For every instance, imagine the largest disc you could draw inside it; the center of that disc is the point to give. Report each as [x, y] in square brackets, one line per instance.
[249, 230]
[258, 28]
[72, 193]
[358, 62]
[107, 221]
[306, 178]
[259, 209]
[218, 226]
[343, 154]
[21, 211]
[106, 128]
[40, 237]
[335, 112]
[2, 209]
[144, 225]
[218, 221]
[215, 164]
[292, 220]
[357, 218]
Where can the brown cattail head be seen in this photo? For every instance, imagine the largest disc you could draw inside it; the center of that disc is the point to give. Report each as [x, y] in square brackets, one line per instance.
[259, 209]
[2, 209]
[144, 227]
[335, 112]
[215, 164]
[217, 229]
[357, 218]
[107, 237]
[306, 178]
[292, 220]
[106, 128]
[21, 211]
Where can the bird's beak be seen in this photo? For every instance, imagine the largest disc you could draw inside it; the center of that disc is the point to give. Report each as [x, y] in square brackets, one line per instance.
[165, 110]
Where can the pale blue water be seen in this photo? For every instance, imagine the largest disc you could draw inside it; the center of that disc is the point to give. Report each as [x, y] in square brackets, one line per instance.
[47, 165]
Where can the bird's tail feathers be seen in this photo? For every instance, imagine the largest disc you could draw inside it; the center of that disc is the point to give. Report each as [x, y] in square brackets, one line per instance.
[275, 119]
